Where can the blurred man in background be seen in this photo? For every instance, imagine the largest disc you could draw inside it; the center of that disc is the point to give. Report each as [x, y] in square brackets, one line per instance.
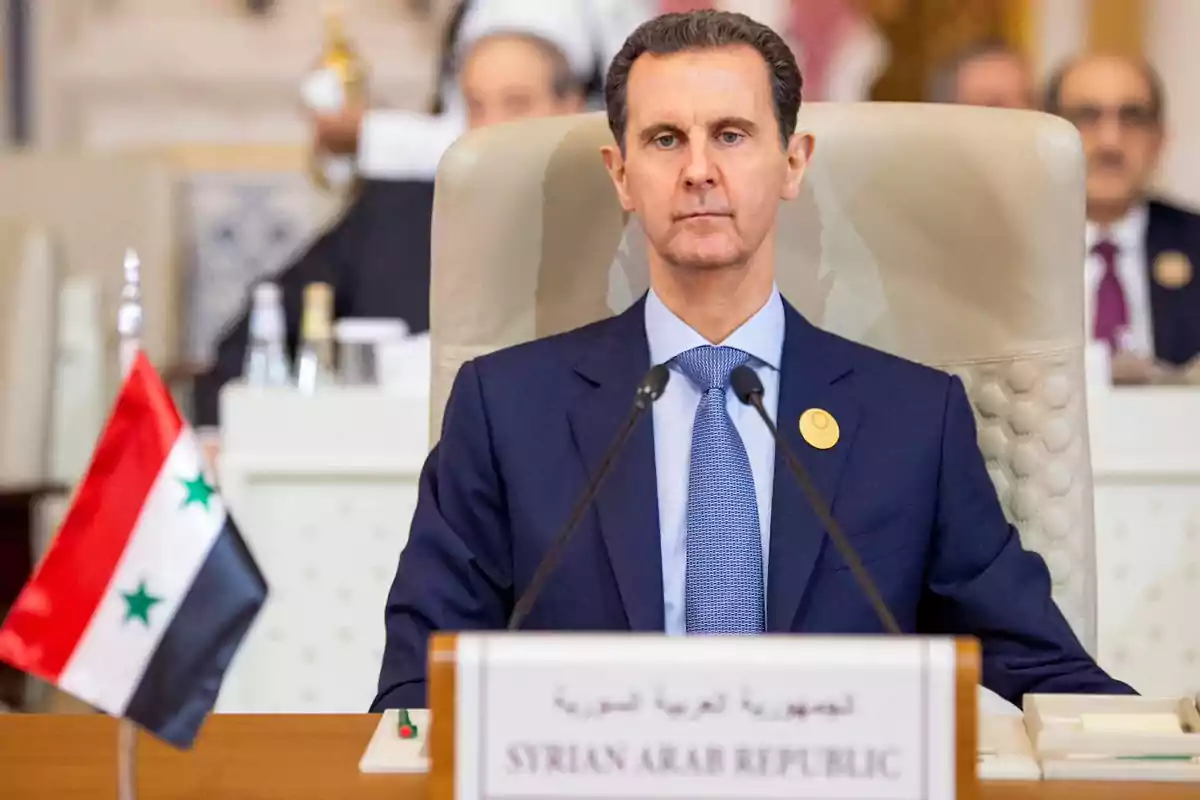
[988, 73]
[839, 43]
[392, 143]
[1143, 298]
[376, 257]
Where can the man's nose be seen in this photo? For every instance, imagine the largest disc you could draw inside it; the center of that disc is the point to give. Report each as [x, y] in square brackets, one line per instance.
[699, 170]
[1109, 132]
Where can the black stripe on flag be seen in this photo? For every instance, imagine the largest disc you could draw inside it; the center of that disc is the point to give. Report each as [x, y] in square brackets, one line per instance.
[180, 685]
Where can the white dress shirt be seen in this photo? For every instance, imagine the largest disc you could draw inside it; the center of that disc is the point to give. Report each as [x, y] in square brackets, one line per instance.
[1129, 235]
[762, 337]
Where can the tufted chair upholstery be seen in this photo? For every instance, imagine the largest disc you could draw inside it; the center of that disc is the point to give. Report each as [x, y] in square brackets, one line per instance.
[944, 234]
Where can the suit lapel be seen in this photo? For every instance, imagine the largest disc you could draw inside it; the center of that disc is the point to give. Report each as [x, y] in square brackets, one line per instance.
[627, 505]
[1158, 241]
[810, 370]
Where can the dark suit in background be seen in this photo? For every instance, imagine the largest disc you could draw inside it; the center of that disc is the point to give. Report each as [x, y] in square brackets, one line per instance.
[1175, 312]
[376, 258]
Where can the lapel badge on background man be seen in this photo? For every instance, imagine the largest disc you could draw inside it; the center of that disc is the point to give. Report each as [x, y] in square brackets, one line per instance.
[1172, 270]
[819, 428]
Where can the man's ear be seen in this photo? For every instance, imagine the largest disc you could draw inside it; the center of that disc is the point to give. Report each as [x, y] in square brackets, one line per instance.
[614, 162]
[799, 152]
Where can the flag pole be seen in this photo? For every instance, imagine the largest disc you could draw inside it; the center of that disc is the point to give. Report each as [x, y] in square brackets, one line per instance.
[129, 331]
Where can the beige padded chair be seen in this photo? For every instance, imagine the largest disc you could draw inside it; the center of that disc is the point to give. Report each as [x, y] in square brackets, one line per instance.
[95, 206]
[948, 235]
[28, 333]
[29, 285]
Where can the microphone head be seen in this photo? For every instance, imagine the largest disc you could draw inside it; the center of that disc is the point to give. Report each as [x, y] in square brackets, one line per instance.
[653, 385]
[745, 383]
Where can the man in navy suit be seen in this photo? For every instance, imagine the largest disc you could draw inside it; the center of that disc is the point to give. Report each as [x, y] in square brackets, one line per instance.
[700, 529]
[1143, 293]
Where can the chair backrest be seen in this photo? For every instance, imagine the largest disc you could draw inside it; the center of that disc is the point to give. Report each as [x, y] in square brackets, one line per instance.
[28, 334]
[948, 235]
[95, 206]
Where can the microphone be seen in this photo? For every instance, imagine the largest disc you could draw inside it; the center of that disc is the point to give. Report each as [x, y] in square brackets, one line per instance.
[649, 390]
[749, 390]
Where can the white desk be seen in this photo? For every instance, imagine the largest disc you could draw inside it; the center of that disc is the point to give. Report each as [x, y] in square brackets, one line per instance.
[323, 489]
[1146, 466]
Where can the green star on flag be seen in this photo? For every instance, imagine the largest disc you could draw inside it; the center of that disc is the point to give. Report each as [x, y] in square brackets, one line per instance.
[198, 491]
[139, 603]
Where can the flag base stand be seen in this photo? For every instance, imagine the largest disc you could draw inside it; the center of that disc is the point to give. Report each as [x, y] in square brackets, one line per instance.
[127, 736]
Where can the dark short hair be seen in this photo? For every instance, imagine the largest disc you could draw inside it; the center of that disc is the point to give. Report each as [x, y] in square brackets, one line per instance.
[705, 30]
[943, 87]
[564, 82]
[1052, 102]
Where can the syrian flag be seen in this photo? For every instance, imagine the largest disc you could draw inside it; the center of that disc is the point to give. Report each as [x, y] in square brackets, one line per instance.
[148, 590]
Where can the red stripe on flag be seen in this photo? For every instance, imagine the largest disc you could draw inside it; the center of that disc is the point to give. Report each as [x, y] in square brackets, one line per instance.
[55, 607]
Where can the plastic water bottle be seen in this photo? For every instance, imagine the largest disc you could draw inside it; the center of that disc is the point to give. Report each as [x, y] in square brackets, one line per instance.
[266, 356]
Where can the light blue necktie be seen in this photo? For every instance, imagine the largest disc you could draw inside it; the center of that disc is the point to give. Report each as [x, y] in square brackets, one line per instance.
[724, 591]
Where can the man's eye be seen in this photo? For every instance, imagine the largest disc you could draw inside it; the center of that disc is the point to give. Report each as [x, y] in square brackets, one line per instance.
[666, 140]
[730, 137]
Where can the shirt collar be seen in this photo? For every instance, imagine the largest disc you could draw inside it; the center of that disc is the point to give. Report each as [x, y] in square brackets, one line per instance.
[1128, 233]
[761, 336]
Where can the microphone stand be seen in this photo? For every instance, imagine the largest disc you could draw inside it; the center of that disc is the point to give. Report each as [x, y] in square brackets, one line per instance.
[754, 399]
[650, 390]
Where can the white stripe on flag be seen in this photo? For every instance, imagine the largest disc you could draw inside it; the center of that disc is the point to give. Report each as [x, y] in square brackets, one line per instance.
[169, 545]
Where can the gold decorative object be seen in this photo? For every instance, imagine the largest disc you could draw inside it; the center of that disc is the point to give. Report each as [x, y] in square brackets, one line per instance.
[1172, 270]
[339, 58]
[819, 428]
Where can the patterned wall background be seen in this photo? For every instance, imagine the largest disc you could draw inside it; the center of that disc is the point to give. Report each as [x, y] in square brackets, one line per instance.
[238, 228]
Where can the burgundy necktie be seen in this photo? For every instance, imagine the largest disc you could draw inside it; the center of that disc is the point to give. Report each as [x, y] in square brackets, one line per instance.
[1112, 312]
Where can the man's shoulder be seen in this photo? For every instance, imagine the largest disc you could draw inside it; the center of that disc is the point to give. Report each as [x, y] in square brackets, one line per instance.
[1174, 215]
[539, 358]
[875, 369]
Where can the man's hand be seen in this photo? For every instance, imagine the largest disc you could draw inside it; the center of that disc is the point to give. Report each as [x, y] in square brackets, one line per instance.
[1134, 370]
[337, 132]
[1191, 372]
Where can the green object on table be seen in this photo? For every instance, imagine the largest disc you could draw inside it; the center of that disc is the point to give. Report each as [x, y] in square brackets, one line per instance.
[406, 728]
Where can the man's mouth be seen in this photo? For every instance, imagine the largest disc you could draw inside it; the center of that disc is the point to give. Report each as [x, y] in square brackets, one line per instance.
[703, 215]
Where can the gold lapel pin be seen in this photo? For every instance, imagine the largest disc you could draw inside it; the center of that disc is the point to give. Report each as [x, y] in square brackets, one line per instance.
[819, 428]
[1172, 270]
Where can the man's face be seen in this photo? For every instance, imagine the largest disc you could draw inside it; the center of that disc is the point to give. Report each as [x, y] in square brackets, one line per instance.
[509, 78]
[1108, 99]
[997, 80]
[703, 165]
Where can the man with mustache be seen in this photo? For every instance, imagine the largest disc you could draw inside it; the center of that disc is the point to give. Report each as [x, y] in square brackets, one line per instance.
[1142, 291]
[700, 529]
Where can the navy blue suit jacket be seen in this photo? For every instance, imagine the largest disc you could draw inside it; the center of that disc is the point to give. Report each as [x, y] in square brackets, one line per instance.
[1175, 311]
[525, 426]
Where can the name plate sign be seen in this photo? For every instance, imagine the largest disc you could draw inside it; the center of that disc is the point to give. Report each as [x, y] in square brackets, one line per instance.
[642, 716]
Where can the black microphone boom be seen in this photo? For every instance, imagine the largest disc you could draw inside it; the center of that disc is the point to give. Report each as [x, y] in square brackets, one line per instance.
[749, 390]
[649, 390]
